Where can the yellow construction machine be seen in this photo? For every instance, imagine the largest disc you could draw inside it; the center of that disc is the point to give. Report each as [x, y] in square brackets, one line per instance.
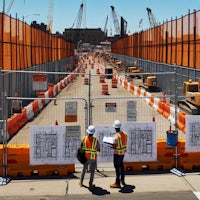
[191, 103]
[150, 84]
[133, 72]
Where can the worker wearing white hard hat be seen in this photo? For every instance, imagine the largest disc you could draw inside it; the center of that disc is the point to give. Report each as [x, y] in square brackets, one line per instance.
[119, 146]
[90, 145]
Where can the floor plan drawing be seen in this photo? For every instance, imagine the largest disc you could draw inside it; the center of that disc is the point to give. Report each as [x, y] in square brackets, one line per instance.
[54, 144]
[141, 144]
[106, 153]
[193, 133]
[44, 144]
[72, 142]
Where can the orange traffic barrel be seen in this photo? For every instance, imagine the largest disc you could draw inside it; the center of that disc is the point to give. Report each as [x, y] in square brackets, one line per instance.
[86, 81]
[102, 79]
[97, 71]
[114, 82]
[83, 72]
[105, 88]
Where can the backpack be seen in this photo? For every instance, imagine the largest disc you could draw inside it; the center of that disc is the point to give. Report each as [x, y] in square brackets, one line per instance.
[80, 155]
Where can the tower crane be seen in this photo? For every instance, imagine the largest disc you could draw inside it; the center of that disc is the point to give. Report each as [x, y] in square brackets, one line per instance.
[9, 6]
[78, 18]
[50, 16]
[115, 21]
[152, 19]
[105, 27]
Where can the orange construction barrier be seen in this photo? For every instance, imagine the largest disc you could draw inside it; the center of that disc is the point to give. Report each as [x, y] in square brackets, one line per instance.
[83, 72]
[161, 105]
[114, 82]
[97, 71]
[102, 79]
[132, 88]
[181, 121]
[86, 81]
[105, 88]
[125, 84]
[166, 111]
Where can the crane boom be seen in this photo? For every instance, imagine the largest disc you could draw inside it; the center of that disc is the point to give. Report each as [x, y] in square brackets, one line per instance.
[152, 19]
[105, 27]
[79, 17]
[115, 21]
[9, 6]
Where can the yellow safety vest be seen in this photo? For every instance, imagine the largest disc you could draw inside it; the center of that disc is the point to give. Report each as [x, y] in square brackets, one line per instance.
[121, 142]
[89, 146]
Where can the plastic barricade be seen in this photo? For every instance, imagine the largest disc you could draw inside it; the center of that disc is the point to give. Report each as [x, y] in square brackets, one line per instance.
[181, 121]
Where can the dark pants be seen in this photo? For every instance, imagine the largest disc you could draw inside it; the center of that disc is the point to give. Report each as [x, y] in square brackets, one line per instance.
[119, 167]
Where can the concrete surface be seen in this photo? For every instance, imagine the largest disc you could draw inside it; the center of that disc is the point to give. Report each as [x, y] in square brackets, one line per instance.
[68, 187]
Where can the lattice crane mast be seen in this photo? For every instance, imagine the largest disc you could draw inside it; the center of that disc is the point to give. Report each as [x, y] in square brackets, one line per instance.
[50, 16]
[115, 21]
[79, 17]
[152, 19]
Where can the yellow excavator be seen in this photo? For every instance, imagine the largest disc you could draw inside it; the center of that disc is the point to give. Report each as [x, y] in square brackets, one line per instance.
[133, 72]
[191, 103]
[150, 84]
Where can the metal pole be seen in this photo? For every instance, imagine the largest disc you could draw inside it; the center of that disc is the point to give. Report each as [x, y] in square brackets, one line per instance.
[175, 170]
[175, 107]
[89, 100]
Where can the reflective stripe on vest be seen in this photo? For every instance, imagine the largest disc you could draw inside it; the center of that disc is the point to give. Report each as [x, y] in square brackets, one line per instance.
[90, 147]
[121, 143]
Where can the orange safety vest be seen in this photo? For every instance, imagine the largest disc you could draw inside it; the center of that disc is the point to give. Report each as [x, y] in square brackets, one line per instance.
[89, 146]
[121, 142]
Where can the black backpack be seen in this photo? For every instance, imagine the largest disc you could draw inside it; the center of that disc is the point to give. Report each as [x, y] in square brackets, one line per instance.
[81, 156]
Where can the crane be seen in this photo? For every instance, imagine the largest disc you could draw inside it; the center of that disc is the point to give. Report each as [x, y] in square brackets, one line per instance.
[9, 6]
[105, 27]
[115, 21]
[152, 19]
[79, 17]
[123, 27]
[50, 16]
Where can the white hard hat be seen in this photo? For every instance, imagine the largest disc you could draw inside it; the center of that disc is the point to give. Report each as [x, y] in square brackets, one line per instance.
[91, 130]
[117, 124]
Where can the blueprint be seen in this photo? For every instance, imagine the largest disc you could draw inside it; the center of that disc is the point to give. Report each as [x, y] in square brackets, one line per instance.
[141, 145]
[58, 144]
[54, 144]
[192, 133]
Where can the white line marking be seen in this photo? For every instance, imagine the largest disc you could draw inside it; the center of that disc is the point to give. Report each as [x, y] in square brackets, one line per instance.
[197, 194]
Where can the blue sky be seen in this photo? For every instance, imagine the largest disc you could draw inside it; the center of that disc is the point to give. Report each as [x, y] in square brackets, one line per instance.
[65, 12]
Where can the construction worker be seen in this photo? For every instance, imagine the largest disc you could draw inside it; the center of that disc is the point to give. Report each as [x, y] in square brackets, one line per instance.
[90, 145]
[119, 146]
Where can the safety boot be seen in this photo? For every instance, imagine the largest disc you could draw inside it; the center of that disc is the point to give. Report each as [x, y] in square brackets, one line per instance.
[123, 182]
[91, 186]
[115, 185]
[81, 184]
